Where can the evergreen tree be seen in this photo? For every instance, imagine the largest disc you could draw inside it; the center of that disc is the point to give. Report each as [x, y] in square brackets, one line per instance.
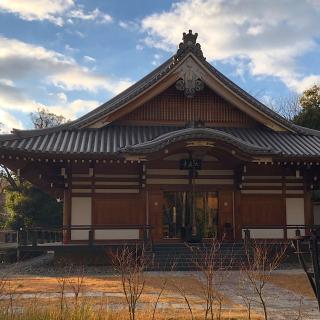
[25, 204]
[309, 116]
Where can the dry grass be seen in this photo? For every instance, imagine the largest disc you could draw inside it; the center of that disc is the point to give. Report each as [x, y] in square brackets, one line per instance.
[94, 308]
[101, 284]
[99, 309]
[298, 283]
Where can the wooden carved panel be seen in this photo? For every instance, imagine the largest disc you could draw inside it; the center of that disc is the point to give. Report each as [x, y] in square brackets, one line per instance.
[173, 107]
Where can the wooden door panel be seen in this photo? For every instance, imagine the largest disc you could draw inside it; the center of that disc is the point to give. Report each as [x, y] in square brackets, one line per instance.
[156, 213]
[262, 210]
[124, 210]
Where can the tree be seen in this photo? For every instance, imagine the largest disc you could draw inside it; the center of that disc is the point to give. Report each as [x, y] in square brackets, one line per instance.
[309, 115]
[5, 173]
[287, 106]
[25, 204]
[31, 207]
[43, 118]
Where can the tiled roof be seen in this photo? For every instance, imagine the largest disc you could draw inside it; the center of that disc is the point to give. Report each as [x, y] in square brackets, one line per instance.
[113, 139]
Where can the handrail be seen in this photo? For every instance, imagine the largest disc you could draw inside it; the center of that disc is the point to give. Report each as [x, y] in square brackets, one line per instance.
[287, 226]
[107, 226]
[38, 235]
[8, 236]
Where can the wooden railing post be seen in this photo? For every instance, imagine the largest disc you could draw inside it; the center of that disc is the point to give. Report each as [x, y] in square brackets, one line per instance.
[91, 237]
[246, 235]
[41, 240]
[247, 243]
[34, 238]
[20, 237]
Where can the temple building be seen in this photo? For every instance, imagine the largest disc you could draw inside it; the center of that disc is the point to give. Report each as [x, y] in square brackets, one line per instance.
[183, 155]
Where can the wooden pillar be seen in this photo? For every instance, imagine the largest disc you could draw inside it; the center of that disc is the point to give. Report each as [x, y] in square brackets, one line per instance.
[284, 205]
[308, 209]
[237, 215]
[226, 212]
[67, 215]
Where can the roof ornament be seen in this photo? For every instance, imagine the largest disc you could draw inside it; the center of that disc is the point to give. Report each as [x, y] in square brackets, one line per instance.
[190, 79]
[189, 44]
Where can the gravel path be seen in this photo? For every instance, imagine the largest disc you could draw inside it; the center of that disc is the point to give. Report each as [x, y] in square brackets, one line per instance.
[281, 304]
[44, 266]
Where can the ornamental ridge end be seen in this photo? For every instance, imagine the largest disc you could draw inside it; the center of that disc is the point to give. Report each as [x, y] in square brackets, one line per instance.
[189, 44]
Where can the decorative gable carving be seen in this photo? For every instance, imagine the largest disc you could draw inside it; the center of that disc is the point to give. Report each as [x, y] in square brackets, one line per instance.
[191, 78]
[173, 107]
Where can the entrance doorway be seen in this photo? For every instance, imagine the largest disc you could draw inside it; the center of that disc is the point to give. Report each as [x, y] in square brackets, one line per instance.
[190, 216]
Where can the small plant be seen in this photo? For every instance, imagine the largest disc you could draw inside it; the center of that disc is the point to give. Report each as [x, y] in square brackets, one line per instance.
[214, 270]
[77, 283]
[62, 284]
[262, 260]
[130, 263]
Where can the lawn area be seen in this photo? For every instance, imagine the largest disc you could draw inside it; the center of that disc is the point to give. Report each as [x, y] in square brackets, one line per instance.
[101, 297]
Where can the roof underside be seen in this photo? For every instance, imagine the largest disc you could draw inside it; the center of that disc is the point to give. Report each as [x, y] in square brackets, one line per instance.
[114, 139]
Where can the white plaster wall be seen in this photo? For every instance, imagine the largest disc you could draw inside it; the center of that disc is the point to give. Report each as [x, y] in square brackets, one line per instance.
[265, 233]
[294, 214]
[117, 234]
[80, 215]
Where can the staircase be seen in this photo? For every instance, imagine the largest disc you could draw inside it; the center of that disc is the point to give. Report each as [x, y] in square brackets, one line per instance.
[188, 257]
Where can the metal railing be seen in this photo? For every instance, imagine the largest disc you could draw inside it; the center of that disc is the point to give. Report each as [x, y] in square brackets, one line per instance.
[35, 236]
[298, 230]
[8, 236]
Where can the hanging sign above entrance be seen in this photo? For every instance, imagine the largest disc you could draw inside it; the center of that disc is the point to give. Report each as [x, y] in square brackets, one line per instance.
[187, 164]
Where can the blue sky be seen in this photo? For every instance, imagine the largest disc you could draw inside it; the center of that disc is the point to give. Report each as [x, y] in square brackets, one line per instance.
[70, 56]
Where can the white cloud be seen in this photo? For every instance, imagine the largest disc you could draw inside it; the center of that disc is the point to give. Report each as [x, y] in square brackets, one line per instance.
[70, 49]
[55, 11]
[73, 109]
[51, 10]
[268, 35]
[95, 15]
[8, 122]
[156, 59]
[23, 61]
[139, 47]
[129, 25]
[7, 82]
[89, 59]
[15, 99]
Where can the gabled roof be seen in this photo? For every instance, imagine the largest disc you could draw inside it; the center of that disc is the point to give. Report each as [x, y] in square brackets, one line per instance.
[95, 133]
[188, 49]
